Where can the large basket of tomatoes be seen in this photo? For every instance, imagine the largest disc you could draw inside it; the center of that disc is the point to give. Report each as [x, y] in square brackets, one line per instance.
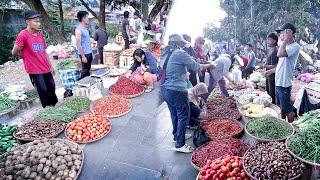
[88, 128]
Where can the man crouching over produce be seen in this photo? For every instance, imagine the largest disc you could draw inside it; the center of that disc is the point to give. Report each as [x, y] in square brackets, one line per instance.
[288, 55]
[31, 47]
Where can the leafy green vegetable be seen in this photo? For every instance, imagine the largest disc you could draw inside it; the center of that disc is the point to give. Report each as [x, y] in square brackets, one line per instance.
[77, 104]
[32, 95]
[60, 114]
[310, 119]
[269, 128]
[67, 64]
[7, 142]
[306, 144]
[6, 103]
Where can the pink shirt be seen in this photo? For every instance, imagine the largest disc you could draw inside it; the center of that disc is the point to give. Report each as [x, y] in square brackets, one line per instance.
[33, 52]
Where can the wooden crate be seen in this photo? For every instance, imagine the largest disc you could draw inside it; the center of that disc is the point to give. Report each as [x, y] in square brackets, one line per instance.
[111, 58]
[125, 61]
[313, 94]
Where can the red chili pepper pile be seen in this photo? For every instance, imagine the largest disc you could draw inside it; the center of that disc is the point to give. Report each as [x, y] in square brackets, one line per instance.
[111, 106]
[126, 87]
[224, 113]
[218, 148]
[229, 168]
[221, 128]
[217, 103]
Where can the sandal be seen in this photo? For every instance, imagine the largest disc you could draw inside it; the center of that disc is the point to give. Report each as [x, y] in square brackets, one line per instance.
[187, 136]
[185, 149]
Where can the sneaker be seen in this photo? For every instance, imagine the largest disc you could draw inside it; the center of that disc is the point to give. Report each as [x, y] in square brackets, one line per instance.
[187, 136]
[192, 127]
[185, 149]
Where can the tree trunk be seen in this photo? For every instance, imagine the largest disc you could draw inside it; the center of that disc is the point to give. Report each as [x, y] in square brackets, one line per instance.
[61, 19]
[102, 18]
[56, 36]
[156, 9]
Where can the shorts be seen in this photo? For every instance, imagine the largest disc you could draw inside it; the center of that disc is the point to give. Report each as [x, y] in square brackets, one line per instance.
[283, 98]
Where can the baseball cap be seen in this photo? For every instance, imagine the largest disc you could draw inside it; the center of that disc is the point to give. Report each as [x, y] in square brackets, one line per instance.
[177, 38]
[286, 26]
[30, 14]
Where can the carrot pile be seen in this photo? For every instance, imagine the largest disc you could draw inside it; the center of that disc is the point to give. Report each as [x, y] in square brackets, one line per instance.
[88, 128]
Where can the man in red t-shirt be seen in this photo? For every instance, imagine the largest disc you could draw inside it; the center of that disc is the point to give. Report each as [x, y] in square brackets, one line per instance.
[30, 46]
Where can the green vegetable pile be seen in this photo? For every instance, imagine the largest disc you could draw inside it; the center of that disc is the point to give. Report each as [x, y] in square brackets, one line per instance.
[215, 93]
[32, 95]
[269, 128]
[306, 143]
[7, 141]
[6, 103]
[60, 114]
[67, 64]
[77, 104]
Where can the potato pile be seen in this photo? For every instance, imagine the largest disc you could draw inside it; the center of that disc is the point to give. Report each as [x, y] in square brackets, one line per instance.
[42, 159]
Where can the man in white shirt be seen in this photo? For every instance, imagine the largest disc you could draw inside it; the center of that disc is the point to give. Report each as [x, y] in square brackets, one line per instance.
[288, 55]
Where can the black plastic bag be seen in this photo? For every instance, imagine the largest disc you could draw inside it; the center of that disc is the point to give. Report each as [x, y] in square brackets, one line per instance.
[305, 105]
[199, 137]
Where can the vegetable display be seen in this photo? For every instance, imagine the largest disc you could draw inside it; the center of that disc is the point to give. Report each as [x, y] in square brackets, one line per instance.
[310, 119]
[39, 129]
[218, 148]
[224, 113]
[269, 128]
[32, 95]
[77, 104]
[255, 110]
[125, 87]
[112, 106]
[42, 159]
[271, 161]
[221, 128]
[6, 139]
[60, 114]
[88, 128]
[221, 103]
[306, 145]
[215, 93]
[67, 64]
[6, 103]
[229, 168]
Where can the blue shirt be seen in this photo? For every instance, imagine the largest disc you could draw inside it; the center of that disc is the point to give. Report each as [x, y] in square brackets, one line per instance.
[150, 61]
[252, 59]
[85, 40]
[176, 73]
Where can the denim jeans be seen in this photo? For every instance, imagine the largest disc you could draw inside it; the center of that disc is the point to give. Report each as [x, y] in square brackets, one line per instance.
[178, 104]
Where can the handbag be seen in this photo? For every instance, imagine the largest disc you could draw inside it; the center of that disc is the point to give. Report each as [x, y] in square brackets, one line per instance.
[163, 72]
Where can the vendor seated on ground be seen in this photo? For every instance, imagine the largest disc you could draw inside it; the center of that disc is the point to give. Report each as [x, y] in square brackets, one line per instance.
[196, 114]
[144, 69]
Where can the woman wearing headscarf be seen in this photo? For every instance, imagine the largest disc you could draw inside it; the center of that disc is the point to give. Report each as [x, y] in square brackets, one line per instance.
[201, 56]
[144, 69]
[174, 88]
[196, 113]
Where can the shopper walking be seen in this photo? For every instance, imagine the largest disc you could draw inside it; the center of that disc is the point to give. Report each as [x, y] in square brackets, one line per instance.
[288, 55]
[84, 43]
[176, 62]
[102, 39]
[126, 30]
[271, 64]
[30, 46]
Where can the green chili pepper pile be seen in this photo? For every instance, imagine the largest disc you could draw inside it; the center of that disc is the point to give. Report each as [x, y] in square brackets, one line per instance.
[77, 104]
[60, 114]
[7, 141]
[269, 128]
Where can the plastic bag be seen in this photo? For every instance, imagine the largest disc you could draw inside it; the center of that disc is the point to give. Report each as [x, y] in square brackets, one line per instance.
[199, 137]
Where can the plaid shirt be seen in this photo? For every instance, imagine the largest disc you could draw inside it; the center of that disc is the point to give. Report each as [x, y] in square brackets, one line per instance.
[69, 77]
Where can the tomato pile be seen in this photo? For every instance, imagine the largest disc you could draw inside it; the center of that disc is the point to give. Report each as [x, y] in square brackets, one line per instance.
[88, 128]
[126, 87]
[112, 106]
[229, 168]
[224, 113]
[218, 148]
[221, 103]
[221, 128]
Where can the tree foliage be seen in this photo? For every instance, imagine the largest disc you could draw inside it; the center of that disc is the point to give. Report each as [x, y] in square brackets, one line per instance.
[268, 15]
